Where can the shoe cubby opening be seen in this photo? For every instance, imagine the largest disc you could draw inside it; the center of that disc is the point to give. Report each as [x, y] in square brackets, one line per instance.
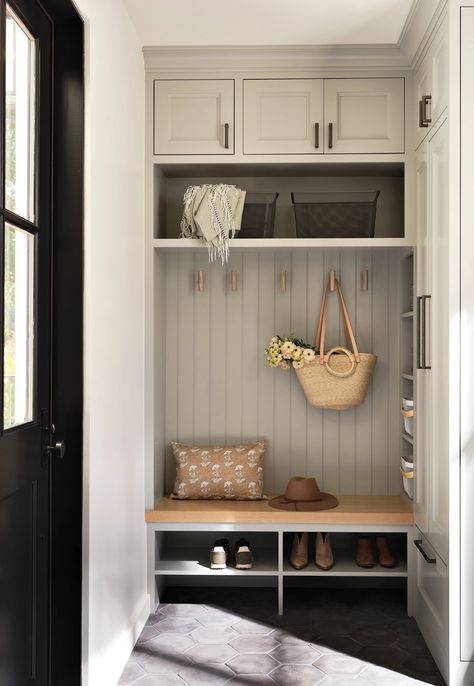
[344, 551]
[186, 553]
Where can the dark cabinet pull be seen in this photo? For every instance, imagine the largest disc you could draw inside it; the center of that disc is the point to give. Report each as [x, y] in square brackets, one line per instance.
[423, 333]
[330, 136]
[423, 120]
[316, 135]
[425, 360]
[419, 545]
[226, 136]
[418, 332]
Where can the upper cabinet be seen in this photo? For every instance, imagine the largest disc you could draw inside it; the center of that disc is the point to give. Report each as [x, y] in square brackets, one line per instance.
[279, 116]
[364, 115]
[283, 116]
[193, 117]
[291, 116]
[431, 84]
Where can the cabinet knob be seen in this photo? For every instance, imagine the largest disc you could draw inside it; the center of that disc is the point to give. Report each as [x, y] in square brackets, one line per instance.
[226, 136]
[330, 135]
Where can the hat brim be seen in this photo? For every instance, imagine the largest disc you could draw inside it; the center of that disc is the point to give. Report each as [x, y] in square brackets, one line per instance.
[327, 502]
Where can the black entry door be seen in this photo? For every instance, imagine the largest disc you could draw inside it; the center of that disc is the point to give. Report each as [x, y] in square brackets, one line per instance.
[25, 258]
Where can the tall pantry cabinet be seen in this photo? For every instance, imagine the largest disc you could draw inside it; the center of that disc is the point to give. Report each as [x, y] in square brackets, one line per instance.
[339, 126]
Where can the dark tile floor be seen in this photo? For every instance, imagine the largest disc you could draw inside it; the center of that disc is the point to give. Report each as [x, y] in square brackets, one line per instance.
[336, 637]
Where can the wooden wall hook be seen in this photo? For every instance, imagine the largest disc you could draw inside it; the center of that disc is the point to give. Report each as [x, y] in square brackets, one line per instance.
[332, 280]
[365, 279]
[233, 280]
[200, 281]
[283, 281]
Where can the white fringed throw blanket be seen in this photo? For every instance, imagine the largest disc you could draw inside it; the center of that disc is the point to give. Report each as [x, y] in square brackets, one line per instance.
[212, 214]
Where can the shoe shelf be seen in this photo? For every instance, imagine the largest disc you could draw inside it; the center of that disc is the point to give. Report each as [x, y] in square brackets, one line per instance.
[195, 561]
[345, 565]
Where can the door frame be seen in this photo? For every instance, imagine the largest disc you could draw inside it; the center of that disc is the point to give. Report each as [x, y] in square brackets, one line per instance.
[67, 340]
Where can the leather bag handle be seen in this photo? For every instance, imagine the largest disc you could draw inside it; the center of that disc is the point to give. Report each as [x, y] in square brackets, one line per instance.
[321, 330]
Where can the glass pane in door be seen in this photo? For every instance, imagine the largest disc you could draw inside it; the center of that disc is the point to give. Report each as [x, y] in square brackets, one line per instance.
[19, 118]
[18, 353]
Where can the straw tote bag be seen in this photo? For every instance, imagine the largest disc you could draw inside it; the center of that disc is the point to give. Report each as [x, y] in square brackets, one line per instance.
[338, 379]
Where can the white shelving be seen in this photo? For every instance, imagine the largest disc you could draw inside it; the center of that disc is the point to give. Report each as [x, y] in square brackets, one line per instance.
[179, 561]
[345, 565]
[285, 243]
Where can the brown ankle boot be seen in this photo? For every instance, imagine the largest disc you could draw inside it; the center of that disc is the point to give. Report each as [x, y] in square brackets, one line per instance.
[324, 558]
[299, 551]
[365, 555]
[386, 559]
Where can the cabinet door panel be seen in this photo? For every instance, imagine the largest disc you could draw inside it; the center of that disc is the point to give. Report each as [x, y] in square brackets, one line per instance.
[190, 117]
[431, 603]
[439, 340]
[431, 79]
[281, 116]
[367, 115]
[422, 400]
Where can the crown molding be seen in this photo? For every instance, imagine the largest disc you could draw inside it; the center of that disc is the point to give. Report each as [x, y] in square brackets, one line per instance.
[405, 54]
[272, 58]
[416, 33]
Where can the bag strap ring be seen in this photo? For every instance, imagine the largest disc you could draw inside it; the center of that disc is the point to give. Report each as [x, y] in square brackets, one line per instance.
[332, 371]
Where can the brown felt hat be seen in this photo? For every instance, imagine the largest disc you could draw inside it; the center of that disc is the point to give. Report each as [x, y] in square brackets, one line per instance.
[303, 495]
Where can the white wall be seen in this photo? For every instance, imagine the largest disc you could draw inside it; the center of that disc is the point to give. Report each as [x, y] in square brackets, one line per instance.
[115, 604]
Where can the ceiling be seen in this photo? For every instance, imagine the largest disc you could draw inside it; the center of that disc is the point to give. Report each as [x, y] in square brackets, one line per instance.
[268, 22]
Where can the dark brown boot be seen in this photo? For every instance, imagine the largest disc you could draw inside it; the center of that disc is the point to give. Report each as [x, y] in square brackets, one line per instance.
[365, 554]
[386, 559]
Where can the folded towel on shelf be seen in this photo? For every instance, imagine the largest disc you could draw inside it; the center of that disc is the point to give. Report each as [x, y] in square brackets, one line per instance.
[212, 213]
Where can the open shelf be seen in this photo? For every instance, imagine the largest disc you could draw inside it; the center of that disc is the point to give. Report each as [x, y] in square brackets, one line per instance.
[407, 438]
[408, 377]
[407, 314]
[345, 565]
[196, 561]
[284, 243]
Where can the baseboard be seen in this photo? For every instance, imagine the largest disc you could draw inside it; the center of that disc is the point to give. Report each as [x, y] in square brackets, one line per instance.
[141, 619]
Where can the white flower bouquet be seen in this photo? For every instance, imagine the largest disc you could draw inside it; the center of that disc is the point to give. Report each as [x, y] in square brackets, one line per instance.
[289, 351]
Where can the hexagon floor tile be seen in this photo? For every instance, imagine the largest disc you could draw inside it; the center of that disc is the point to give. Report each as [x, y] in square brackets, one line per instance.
[332, 637]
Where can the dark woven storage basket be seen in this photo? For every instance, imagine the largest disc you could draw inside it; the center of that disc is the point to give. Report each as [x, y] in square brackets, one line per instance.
[335, 214]
[258, 218]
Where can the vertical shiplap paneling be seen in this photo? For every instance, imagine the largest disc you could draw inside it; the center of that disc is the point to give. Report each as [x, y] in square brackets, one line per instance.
[331, 418]
[350, 283]
[267, 286]
[298, 417]
[282, 401]
[379, 279]
[363, 413]
[185, 342]
[314, 417]
[170, 327]
[218, 352]
[251, 353]
[234, 360]
[201, 346]
[219, 387]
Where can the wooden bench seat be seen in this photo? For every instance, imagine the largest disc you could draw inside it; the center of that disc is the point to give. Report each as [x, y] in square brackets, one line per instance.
[352, 509]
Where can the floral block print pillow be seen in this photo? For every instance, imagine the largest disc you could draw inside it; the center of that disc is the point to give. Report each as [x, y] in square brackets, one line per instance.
[219, 472]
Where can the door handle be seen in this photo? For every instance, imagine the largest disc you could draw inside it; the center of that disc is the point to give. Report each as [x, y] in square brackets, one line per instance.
[226, 136]
[419, 544]
[423, 120]
[418, 332]
[426, 333]
[58, 449]
[316, 135]
[330, 135]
